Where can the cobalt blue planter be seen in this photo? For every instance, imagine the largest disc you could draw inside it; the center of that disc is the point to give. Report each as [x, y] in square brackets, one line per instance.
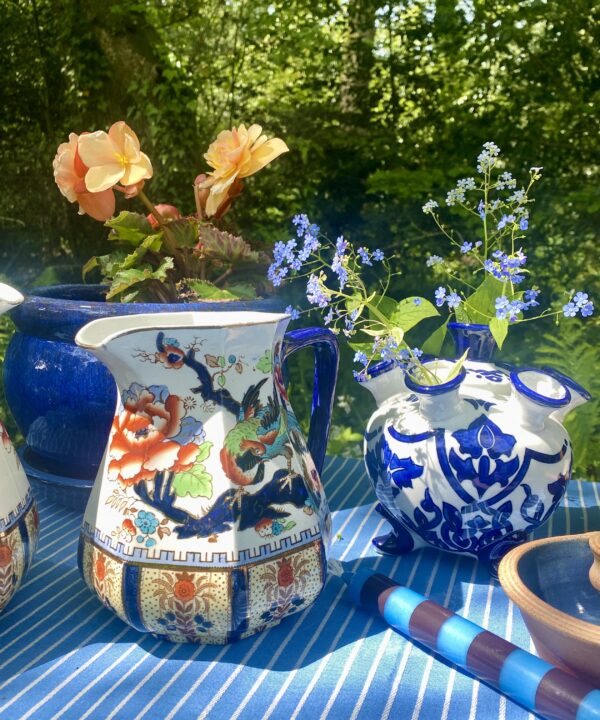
[62, 398]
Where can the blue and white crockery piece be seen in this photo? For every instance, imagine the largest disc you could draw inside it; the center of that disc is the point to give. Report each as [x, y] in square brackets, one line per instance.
[472, 465]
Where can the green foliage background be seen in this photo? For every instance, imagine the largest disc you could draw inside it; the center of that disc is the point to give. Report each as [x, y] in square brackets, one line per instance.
[382, 104]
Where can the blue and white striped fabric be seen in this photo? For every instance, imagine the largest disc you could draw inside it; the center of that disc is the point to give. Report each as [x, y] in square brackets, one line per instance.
[62, 655]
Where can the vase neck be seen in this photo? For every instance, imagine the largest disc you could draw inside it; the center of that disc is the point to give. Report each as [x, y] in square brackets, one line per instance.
[477, 339]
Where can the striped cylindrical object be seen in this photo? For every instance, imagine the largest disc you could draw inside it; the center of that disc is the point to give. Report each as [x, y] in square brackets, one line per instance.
[521, 676]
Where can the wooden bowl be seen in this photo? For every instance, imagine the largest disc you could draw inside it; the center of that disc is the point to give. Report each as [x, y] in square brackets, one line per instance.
[549, 582]
[595, 569]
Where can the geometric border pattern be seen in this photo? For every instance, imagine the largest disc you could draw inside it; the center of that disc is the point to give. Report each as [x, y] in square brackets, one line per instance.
[149, 556]
[14, 515]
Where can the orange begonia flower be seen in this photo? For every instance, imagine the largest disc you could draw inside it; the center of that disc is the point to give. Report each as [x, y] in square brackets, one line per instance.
[113, 157]
[69, 173]
[236, 154]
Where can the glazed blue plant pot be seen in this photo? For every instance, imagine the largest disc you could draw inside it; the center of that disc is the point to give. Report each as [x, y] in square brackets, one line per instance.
[62, 398]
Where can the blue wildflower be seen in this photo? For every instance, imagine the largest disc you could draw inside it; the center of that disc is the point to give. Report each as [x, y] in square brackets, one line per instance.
[361, 358]
[587, 309]
[530, 297]
[339, 268]
[315, 293]
[429, 206]
[363, 253]
[523, 223]
[456, 195]
[481, 209]
[417, 301]
[506, 180]
[453, 300]
[466, 183]
[378, 255]
[505, 220]
[301, 222]
[292, 312]
[570, 309]
[466, 247]
[341, 245]
[486, 158]
[440, 296]
[580, 299]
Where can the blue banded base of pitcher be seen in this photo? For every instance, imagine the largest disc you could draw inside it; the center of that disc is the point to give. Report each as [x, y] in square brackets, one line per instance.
[208, 605]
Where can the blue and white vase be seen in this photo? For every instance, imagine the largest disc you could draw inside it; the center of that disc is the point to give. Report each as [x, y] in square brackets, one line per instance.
[472, 465]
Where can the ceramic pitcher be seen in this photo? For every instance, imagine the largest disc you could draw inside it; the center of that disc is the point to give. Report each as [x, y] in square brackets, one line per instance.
[207, 521]
[18, 513]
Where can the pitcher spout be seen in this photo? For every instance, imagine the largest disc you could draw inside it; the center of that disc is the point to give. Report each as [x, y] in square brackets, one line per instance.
[9, 298]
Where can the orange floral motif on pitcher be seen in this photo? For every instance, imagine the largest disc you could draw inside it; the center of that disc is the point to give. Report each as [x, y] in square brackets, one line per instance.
[152, 434]
[5, 555]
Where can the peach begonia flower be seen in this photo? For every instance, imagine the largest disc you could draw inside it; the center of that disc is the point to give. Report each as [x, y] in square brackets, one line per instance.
[113, 157]
[69, 173]
[236, 154]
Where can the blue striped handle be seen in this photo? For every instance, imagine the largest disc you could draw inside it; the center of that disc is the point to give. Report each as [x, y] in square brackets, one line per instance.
[532, 682]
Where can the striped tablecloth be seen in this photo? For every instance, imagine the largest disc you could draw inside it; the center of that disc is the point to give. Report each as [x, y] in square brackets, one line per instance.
[62, 655]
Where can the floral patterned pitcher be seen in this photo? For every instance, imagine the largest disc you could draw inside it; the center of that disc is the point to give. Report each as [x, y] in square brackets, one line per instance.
[18, 514]
[207, 521]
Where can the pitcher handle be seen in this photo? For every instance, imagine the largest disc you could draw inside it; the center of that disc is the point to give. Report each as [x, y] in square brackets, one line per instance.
[326, 369]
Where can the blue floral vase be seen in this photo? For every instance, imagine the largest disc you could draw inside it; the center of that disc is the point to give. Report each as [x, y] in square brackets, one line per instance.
[61, 396]
[472, 465]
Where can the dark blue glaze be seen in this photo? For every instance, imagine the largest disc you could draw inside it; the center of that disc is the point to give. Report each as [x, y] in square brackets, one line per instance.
[477, 339]
[326, 369]
[62, 398]
[440, 389]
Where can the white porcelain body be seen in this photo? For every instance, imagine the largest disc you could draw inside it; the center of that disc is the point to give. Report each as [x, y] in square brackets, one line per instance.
[473, 470]
[207, 521]
[19, 520]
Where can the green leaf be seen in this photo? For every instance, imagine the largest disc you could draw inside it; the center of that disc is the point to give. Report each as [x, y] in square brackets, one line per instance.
[457, 366]
[265, 363]
[243, 291]
[481, 305]
[89, 266]
[385, 305]
[125, 279]
[196, 482]
[221, 380]
[356, 302]
[128, 227]
[203, 452]
[152, 242]
[407, 314]
[433, 344]
[184, 231]
[208, 291]
[499, 330]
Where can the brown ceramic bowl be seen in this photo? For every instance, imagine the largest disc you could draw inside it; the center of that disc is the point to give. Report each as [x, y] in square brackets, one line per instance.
[549, 582]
